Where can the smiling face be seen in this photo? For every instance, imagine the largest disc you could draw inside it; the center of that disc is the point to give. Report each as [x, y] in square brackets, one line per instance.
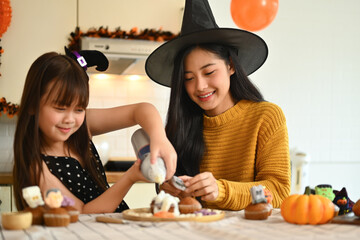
[58, 122]
[207, 81]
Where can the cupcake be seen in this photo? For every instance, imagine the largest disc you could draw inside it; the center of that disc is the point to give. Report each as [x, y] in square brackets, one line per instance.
[55, 215]
[260, 208]
[259, 211]
[68, 205]
[33, 198]
[16, 220]
[165, 202]
[189, 205]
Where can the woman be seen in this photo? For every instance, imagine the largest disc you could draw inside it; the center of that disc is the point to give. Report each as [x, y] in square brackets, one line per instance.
[227, 137]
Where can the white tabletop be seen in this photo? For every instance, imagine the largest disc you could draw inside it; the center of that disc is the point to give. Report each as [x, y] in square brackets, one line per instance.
[233, 226]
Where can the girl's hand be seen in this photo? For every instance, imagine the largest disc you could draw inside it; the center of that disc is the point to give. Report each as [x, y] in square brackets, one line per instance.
[164, 149]
[134, 173]
[168, 187]
[202, 185]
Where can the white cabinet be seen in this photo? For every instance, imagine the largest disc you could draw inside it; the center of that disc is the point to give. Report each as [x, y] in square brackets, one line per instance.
[152, 14]
[140, 195]
[5, 198]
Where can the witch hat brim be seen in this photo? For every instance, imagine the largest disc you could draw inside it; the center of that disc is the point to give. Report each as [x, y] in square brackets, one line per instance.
[252, 50]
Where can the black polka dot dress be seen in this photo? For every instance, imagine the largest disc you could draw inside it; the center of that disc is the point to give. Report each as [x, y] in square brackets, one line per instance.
[78, 180]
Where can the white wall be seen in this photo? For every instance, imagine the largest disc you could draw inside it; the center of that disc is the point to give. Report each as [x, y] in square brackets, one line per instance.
[312, 71]
[313, 74]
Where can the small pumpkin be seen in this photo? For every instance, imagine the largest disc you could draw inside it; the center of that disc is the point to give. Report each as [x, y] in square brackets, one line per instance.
[341, 201]
[356, 208]
[307, 209]
[268, 195]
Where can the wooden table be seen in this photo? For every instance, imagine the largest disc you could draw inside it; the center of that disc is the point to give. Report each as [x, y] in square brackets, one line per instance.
[233, 226]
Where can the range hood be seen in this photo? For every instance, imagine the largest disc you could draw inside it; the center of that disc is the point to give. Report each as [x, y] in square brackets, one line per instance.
[126, 57]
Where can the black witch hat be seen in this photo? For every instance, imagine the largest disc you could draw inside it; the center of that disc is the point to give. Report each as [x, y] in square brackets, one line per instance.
[89, 58]
[198, 27]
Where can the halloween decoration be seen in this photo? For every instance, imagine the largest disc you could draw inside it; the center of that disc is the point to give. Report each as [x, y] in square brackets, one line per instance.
[307, 209]
[343, 201]
[5, 19]
[134, 33]
[8, 108]
[253, 15]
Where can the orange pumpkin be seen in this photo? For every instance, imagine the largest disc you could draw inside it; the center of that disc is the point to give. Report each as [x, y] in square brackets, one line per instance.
[341, 201]
[268, 195]
[307, 209]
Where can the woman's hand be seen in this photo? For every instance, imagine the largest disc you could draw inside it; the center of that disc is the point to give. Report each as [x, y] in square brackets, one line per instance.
[203, 185]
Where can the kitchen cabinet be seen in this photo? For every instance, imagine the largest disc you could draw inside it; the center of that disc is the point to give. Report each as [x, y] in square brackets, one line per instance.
[6, 193]
[126, 14]
[6, 198]
[140, 195]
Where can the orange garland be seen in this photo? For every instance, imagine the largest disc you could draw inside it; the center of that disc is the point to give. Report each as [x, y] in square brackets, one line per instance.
[147, 34]
[8, 108]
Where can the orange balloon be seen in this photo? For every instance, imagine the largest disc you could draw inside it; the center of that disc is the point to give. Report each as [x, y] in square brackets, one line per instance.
[253, 15]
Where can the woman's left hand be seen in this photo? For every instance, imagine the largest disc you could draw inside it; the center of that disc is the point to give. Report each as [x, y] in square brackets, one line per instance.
[203, 185]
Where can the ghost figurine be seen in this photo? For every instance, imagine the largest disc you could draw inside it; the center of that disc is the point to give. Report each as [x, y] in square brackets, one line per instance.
[54, 198]
[32, 196]
[257, 194]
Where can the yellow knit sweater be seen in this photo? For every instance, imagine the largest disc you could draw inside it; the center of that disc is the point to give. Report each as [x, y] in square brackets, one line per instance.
[246, 146]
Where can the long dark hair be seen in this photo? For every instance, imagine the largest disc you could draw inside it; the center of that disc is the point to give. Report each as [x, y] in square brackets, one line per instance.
[69, 82]
[184, 126]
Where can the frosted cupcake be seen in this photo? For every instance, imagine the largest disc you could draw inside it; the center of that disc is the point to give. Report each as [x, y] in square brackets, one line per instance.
[55, 216]
[68, 204]
[34, 200]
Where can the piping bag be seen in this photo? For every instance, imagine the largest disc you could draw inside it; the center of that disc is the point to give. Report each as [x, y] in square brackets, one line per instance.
[152, 172]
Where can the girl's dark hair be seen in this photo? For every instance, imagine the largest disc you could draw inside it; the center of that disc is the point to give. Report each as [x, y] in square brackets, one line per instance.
[184, 126]
[63, 78]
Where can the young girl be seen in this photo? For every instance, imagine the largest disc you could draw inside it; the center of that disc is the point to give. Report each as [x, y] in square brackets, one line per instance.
[53, 147]
[227, 137]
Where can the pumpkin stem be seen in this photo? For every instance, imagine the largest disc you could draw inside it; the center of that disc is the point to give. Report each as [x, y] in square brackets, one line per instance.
[307, 190]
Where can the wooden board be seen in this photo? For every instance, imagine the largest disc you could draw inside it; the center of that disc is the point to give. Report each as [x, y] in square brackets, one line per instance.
[143, 214]
[349, 218]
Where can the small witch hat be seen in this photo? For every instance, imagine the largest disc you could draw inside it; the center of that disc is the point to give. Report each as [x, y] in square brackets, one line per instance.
[89, 58]
[199, 27]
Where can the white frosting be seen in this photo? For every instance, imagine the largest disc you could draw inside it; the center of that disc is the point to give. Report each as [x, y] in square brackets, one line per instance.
[163, 201]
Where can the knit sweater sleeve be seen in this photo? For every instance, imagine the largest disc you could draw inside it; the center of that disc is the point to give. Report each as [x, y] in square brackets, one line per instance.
[271, 165]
